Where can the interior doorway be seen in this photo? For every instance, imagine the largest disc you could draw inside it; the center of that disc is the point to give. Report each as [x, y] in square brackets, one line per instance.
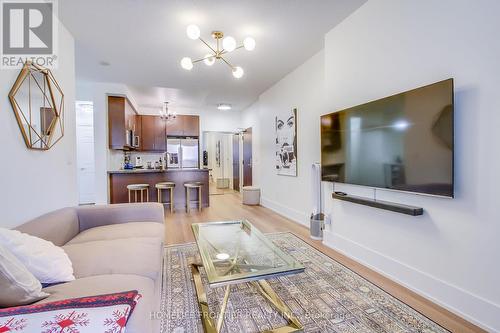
[217, 150]
[247, 157]
[85, 152]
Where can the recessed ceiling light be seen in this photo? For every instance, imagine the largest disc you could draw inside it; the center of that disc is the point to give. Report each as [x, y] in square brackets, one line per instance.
[224, 106]
[104, 63]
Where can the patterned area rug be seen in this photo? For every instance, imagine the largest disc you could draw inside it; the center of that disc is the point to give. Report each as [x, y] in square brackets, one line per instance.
[327, 297]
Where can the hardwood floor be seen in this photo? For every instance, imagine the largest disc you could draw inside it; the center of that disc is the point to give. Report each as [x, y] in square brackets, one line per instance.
[229, 207]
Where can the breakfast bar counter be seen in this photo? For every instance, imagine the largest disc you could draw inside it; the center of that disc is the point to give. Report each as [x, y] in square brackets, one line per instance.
[119, 179]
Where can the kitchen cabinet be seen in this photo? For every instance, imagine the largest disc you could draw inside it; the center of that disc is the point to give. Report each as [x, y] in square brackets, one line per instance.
[184, 126]
[191, 126]
[118, 181]
[122, 122]
[175, 126]
[153, 134]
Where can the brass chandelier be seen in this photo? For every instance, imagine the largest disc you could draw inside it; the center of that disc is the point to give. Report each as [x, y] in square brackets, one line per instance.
[217, 52]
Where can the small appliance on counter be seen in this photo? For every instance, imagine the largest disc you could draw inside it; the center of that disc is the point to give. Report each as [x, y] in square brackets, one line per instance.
[138, 162]
[126, 161]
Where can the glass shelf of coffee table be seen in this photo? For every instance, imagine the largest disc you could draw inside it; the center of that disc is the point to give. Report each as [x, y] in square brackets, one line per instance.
[237, 252]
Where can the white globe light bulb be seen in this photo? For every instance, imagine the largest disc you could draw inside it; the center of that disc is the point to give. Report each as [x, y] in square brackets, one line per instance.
[229, 43]
[193, 32]
[238, 72]
[209, 59]
[187, 63]
[249, 44]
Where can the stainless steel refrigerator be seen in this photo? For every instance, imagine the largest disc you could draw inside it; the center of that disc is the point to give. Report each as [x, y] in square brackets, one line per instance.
[182, 153]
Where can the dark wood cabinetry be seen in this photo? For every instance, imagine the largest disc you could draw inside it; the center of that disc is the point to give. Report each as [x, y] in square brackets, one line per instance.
[191, 126]
[118, 182]
[122, 122]
[153, 134]
[175, 127]
[184, 126]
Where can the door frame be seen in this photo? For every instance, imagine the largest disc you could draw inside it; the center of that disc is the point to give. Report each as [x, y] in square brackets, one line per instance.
[247, 156]
[79, 107]
[236, 162]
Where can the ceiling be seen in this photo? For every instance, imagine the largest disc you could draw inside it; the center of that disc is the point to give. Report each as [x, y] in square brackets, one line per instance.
[144, 40]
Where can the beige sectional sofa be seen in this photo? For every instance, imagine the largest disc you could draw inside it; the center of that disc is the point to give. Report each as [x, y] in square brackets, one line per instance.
[113, 248]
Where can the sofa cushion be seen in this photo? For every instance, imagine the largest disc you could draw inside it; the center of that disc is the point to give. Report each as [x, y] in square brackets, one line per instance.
[18, 285]
[46, 261]
[117, 231]
[139, 322]
[140, 256]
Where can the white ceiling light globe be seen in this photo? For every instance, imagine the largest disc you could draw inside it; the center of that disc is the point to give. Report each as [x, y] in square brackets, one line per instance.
[249, 44]
[238, 72]
[187, 63]
[229, 43]
[193, 32]
[209, 59]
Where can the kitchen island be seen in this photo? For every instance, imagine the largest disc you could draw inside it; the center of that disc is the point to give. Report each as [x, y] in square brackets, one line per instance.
[118, 181]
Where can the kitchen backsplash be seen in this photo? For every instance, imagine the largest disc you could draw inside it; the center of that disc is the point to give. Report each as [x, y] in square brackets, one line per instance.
[116, 158]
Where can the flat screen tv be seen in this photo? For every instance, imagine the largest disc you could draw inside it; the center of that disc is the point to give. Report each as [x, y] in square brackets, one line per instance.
[402, 142]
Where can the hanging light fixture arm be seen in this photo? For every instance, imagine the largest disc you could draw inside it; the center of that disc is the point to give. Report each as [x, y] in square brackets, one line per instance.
[198, 60]
[208, 45]
[226, 52]
[227, 63]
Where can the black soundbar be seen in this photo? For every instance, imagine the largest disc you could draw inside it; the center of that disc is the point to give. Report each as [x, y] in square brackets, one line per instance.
[393, 207]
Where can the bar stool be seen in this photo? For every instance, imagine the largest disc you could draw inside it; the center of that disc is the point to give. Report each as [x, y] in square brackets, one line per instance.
[166, 186]
[189, 186]
[138, 188]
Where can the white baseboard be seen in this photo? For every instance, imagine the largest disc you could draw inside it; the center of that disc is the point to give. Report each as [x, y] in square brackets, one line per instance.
[288, 212]
[473, 308]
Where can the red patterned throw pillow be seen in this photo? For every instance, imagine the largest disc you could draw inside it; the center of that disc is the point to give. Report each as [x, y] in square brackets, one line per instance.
[103, 313]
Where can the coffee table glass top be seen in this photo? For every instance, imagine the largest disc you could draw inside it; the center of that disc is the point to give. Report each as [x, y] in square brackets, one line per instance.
[236, 251]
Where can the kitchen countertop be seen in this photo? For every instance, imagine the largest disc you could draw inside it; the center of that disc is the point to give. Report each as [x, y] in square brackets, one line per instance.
[154, 171]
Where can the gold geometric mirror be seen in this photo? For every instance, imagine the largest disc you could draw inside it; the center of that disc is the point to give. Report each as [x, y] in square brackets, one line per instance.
[38, 104]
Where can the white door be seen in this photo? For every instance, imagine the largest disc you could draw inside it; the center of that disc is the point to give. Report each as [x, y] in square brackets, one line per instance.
[85, 152]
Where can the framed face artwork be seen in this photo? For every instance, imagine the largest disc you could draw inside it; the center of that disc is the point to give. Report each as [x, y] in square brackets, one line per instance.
[286, 143]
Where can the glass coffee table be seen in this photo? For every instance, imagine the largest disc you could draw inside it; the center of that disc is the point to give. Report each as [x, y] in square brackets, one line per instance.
[235, 252]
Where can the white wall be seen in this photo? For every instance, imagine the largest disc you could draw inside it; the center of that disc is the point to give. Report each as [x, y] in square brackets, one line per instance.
[34, 182]
[450, 254]
[303, 89]
[96, 93]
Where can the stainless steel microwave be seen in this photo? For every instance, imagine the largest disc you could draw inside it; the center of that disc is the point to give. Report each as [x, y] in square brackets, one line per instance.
[136, 141]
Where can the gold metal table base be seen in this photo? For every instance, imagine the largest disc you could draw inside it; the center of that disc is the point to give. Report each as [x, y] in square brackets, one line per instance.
[262, 286]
